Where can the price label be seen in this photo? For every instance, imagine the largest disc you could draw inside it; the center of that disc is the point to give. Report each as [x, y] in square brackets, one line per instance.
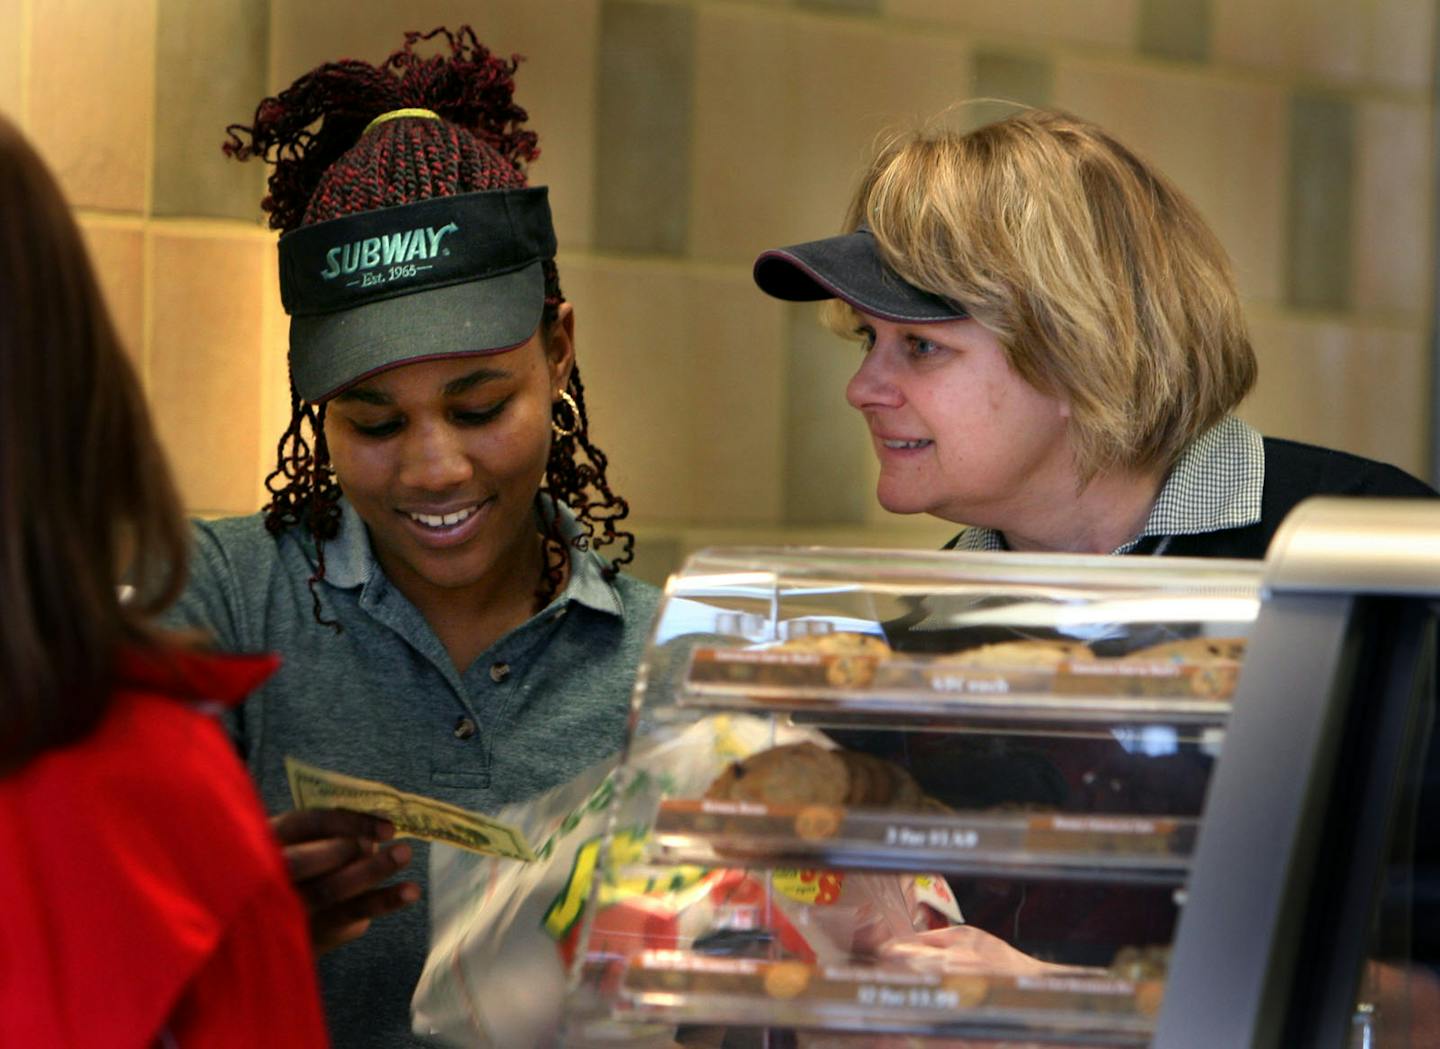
[909, 837]
[880, 996]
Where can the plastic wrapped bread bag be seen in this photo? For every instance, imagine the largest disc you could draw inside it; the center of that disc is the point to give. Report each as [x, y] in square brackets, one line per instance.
[505, 964]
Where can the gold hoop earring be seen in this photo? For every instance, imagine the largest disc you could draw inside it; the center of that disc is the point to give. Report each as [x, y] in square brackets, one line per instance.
[574, 427]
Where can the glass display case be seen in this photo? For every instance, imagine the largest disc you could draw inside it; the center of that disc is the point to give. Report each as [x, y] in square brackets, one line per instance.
[1049, 799]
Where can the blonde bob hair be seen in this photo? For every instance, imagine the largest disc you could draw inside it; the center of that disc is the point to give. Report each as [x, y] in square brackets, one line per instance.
[1101, 280]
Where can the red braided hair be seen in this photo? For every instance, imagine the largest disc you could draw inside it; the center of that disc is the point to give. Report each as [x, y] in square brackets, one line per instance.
[471, 89]
[340, 168]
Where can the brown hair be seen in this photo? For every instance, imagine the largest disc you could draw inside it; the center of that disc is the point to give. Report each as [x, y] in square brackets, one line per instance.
[1101, 279]
[85, 494]
[338, 168]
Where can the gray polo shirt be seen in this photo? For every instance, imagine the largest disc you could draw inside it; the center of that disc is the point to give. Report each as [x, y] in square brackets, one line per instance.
[381, 699]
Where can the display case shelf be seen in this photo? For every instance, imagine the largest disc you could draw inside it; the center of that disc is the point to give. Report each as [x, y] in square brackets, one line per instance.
[945, 691]
[1081, 1007]
[1128, 849]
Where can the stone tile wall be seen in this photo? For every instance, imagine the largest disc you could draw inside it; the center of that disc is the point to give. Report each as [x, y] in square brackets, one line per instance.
[680, 137]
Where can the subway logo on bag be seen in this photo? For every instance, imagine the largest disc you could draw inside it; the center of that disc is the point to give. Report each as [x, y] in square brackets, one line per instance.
[816, 888]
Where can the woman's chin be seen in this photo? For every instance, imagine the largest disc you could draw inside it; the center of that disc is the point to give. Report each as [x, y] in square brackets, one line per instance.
[901, 502]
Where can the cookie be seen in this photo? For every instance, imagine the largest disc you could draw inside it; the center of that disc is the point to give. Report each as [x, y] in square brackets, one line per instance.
[854, 655]
[807, 774]
[850, 671]
[817, 822]
[723, 784]
[1020, 654]
[1149, 995]
[843, 643]
[1141, 963]
[905, 792]
[1192, 650]
[786, 979]
[795, 774]
[869, 782]
[969, 990]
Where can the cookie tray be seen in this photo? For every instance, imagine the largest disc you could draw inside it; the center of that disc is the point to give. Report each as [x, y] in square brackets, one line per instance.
[685, 987]
[1128, 849]
[1105, 690]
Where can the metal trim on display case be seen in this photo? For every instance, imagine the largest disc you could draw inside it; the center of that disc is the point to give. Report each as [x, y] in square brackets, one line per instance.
[1357, 546]
[1331, 688]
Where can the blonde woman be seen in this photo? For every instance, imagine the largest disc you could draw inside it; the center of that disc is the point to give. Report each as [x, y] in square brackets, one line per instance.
[1054, 349]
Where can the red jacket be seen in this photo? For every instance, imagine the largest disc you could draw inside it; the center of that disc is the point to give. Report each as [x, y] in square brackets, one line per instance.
[143, 900]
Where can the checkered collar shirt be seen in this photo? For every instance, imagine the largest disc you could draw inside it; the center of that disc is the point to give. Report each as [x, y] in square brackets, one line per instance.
[1216, 485]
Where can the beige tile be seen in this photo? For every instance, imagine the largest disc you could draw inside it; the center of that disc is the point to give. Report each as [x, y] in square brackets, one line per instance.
[682, 374]
[1362, 390]
[91, 97]
[13, 43]
[211, 64]
[1402, 43]
[849, 83]
[1393, 203]
[849, 7]
[555, 83]
[1177, 29]
[1323, 37]
[658, 552]
[632, 348]
[205, 372]
[117, 253]
[828, 458]
[1007, 82]
[735, 338]
[645, 116]
[740, 193]
[1108, 23]
[1224, 143]
[1320, 224]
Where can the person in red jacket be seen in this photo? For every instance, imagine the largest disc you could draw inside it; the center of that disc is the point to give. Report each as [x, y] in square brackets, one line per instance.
[146, 901]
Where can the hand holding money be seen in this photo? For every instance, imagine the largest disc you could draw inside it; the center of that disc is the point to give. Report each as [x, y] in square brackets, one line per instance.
[411, 815]
[332, 845]
[337, 863]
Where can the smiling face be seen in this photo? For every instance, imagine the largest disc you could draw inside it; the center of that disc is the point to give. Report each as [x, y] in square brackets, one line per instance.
[959, 434]
[442, 459]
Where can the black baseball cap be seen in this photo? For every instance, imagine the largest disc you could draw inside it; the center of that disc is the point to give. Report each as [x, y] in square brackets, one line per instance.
[441, 277]
[849, 267]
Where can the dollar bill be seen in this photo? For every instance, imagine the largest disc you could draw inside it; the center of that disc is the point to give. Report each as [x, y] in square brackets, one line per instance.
[413, 815]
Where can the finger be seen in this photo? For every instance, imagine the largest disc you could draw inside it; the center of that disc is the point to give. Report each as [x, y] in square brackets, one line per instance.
[315, 859]
[355, 878]
[348, 921]
[326, 936]
[309, 824]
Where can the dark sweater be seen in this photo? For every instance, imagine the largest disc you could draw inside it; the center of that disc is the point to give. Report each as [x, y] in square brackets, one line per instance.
[1294, 472]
